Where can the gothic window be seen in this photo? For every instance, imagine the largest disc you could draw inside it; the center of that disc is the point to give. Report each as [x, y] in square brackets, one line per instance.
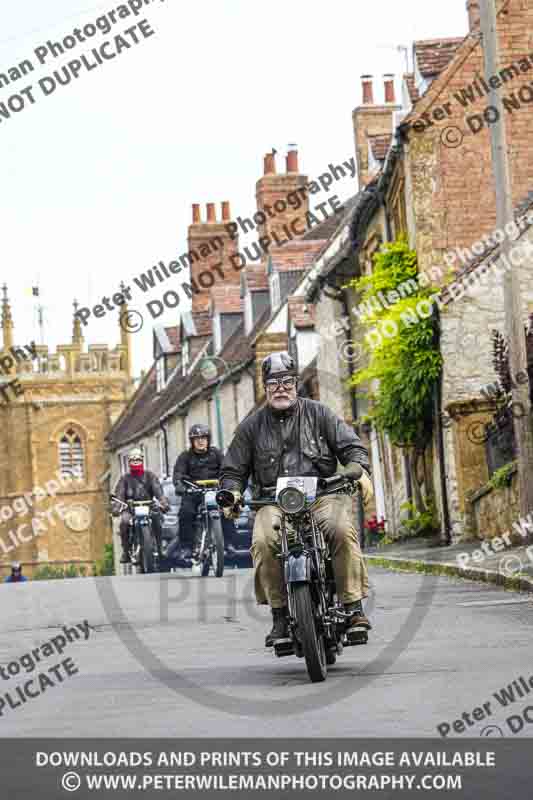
[71, 457]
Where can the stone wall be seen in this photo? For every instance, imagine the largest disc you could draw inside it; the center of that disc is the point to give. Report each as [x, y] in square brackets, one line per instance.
[466, 325]
[492, 512]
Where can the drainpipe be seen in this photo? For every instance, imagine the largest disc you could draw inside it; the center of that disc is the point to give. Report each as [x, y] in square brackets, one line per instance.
[447, 539]
[165, 440]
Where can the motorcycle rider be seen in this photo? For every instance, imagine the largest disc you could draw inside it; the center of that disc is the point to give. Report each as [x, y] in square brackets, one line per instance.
[201, 462]
[16, 574]
[139, 484]
[293, 436]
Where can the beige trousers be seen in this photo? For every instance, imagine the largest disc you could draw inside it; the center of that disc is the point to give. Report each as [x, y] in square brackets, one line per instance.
[335, 516]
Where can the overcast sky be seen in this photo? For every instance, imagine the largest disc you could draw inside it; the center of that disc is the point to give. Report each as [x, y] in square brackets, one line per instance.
[97, 180]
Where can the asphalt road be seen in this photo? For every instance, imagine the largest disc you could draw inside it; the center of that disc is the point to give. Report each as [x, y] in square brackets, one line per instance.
[173, 655]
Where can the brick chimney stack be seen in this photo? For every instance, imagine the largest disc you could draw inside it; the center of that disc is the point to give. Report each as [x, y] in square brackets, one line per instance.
[368, 90]
[272, 191]
[474, 13]
[390, 96]
[292, 159]
[209, 250]
[370, 119]
[269, 164]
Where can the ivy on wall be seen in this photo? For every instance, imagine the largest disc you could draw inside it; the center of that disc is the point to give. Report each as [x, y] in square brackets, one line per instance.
[402, 369]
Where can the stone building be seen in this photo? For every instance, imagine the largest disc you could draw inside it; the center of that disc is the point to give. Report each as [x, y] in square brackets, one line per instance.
[430, 176]
[54, 474]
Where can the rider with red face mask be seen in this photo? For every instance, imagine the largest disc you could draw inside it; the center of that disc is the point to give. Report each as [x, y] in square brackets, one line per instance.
[139, 484]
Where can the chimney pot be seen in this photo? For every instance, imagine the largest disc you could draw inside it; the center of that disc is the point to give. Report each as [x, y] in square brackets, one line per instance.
[292, 158]
[389, 88]
[211, 212]
[196, 213]
[270, 164]
[368, 91]
[474, 14]
[226, 215]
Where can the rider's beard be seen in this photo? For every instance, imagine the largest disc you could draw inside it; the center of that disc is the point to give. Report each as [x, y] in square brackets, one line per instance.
[137, 470]
[285, 402]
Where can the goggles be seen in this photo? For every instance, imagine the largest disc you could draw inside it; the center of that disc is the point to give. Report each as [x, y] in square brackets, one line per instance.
[288, 382]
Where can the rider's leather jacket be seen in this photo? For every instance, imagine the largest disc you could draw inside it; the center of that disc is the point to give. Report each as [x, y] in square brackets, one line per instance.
[307, 439]
[195, 466]
[131, 487]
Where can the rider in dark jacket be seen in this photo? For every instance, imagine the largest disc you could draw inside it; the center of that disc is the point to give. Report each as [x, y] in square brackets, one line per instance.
[201, 462]
[292, 436]
[139, 484]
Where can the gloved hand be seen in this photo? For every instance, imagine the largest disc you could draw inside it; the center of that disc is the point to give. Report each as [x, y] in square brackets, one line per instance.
[366, 488]
[234, 511]
[365, 483]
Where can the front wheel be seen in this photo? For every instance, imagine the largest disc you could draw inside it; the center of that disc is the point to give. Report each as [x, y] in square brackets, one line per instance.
[147, 549]
[217, 540]
[312, 643]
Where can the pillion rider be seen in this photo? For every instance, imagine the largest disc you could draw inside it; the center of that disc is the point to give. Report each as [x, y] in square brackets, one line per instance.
[293, 436]
[201, 462]
[139, 484]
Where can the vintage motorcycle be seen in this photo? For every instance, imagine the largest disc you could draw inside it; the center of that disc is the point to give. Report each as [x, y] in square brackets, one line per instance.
[210, 550]
[317, 619]
[141, 541]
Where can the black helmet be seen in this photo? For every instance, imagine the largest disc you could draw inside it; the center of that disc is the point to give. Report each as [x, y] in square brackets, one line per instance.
[197, 431]
[278, 364]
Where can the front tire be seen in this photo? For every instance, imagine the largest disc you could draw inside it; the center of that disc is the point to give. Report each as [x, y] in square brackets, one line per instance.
[147, 550]
[217, 539]
[312, 644]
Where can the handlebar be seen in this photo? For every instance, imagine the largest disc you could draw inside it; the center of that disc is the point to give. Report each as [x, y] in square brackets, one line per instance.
[199, 486]
[352, 474]
[153, 501]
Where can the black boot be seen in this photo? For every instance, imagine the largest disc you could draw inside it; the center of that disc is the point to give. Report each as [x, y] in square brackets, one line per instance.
[280, 628]
[125, 557]
[358, 620]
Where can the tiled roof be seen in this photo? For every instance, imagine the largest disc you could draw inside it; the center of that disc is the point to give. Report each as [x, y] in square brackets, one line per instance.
[301, 313]
[146, 407]
[433, 55]
[414, 94]
[326, 229]
[380, 145]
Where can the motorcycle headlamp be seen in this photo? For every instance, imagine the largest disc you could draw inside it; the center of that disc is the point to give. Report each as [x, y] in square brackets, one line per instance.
[291, 500]
[225, 498]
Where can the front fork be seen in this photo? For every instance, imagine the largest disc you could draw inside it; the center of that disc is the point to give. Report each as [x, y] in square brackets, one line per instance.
[306, 565]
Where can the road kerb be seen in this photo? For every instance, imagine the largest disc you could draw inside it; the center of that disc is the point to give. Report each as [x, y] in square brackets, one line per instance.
[515, 583]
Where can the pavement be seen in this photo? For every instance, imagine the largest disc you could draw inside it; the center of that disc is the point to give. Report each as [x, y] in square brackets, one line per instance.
[508, 566]
[176, 656]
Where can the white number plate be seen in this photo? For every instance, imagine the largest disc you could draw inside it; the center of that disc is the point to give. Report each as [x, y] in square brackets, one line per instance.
[142, 511]
[305, 484]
